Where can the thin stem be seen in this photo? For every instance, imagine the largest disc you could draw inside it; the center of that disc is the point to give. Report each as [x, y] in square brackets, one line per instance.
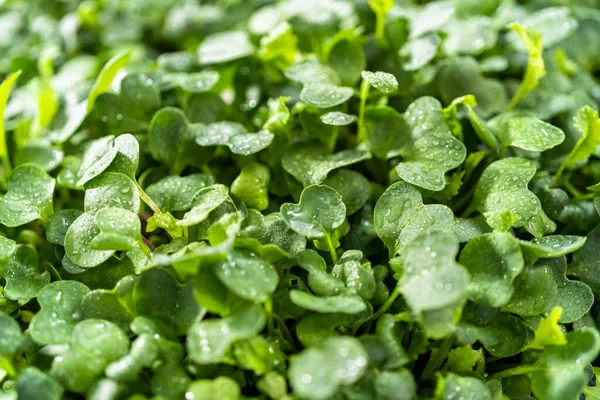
[388, 303]
[364, 93]
[269, 308]
[186, 234]
[521, 370]
[332, 251]
[437, 358]
[380, 26]
[146, 199]
[572, 189]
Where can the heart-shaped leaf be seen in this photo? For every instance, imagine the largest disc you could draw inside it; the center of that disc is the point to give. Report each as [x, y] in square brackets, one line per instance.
[325, 95]
[78, 242]
[119, 230]
[382, 81]
[493, 260]
[318, 372]
[352, 186]
[224, 46]
[60, 302]
[176, 306]
[208, 340]
[112, 154]
[400, 216]
[310, 163]
[111, 189]
[432, 150]
[23, 280]
[575, 298]
[318, 213]
[251, 185]
[94, 344]
[234, 136]
[176, 193]
[248, 276]
[29, 196]
[205, 201]
[525, 131]
[504, 200]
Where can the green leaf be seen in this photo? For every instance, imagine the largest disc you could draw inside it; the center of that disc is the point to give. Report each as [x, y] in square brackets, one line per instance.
[420, 51]
[312, 71]
[347, 304]
[34, 384]
[325, 95]
[5, 89]
[251, 185]
[385, 131]
[463, 387]
[398, 385]
[535, 291]
[225, 46]
[205, 200]
[221, 388]
[11, 337]
[432, 281]
[119, 230]
[559, 372]
[552, 245]
[318, 372]
[400, 216]
[29, 196]
[94, 344]
[337, 118]
[120, 154]
[175, 307]
[279, 46]
[382, 81]
[432, 150]
[196, 82]
[310, 163]
[209, 340]
[503, 336]
[502, 192]
[525, 131]
[176, 193]
[352, 186]
[248, 276]
[493, 260]
[586, 121]
[535, 66]
[575, 298]
[111, 189]
[23, 280]
[549, 332]
[78, 243]
[41, 153]
[60, 310]
[106, 76]
[234, 136]
[318, 213]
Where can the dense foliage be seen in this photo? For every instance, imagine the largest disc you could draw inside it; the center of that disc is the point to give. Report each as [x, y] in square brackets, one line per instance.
[299, 199]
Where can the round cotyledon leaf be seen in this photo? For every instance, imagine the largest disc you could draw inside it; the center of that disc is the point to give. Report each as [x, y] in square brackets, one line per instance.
[318, 213]
[318, 372]
[60, 310]
[248, 276]
[29, 196]
[78, 242]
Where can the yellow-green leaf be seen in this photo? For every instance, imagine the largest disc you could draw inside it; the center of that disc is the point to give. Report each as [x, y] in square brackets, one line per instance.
[535, 66]
[108, 73]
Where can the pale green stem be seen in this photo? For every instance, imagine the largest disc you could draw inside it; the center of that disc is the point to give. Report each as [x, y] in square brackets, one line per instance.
[146, 199]
[388, 303]
[521, 370]
[332, 251]
[364, 93]
[437, 358]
